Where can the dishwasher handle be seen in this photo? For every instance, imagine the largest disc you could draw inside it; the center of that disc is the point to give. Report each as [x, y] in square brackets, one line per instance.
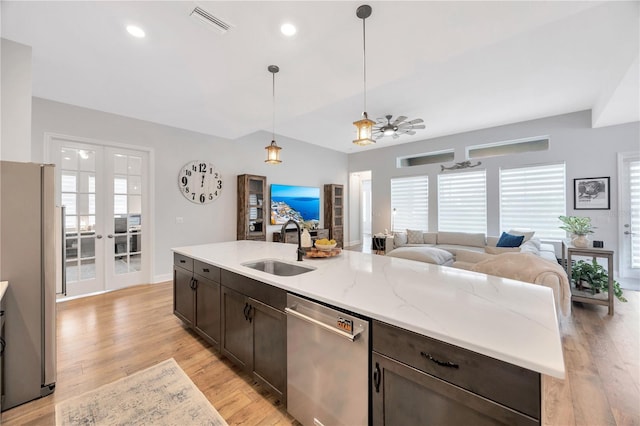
[344, 334]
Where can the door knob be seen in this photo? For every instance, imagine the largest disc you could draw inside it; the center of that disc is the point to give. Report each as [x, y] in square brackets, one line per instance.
[109, 236]
[99, 237]
[628, 233]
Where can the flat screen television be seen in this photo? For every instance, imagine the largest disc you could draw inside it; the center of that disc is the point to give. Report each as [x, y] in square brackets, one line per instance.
[300, 203]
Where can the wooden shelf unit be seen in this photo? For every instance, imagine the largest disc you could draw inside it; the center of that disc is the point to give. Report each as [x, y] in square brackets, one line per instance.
[252, 208]
[334, 212]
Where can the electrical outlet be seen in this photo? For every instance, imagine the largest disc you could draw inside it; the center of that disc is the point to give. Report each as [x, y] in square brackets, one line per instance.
[598, 244]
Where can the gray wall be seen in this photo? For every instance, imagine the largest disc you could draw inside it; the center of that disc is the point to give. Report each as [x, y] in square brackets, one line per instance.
[16, 101]
[303, 164]
[588, 152]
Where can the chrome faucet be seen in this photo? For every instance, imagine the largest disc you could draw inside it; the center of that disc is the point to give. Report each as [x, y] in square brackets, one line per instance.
[300, 252]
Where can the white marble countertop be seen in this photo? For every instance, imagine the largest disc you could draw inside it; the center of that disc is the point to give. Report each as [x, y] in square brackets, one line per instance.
[505, 319]
[3, 288]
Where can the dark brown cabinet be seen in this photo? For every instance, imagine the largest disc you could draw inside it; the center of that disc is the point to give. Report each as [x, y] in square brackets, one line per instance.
[252, 208]
[196, 297]
[291, 235]
[334, 212]
[254, 331]
[418, 380]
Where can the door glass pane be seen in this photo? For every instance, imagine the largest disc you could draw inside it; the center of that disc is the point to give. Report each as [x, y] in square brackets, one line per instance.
[87, 160]
[135, 185]
[68, 182]
[72, 271]
[134, 243]
[87, 182]
[135, 165]
[120, 244]
[70, 225]
[120, 164]
[135, 263]
[120, 204]
[135, 223]
[121, 265]
[87, 269]
[69, 201]
[71, 249]
[135, 204]
[87, 247]
[120, 224]
[69, 159]
[87, 224]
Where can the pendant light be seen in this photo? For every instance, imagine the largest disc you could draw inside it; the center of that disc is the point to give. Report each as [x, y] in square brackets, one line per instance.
[273, 150]
[364, 127]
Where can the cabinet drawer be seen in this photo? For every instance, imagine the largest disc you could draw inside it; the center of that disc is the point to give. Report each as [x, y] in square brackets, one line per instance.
[205, 270]
[265, 293]
[183, 261]
[507, 384]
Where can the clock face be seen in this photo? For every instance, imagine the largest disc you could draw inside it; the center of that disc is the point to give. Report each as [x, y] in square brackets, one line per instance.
[199, 182]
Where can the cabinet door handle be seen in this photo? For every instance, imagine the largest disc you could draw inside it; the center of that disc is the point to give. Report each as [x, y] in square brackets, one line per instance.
[440, 363]
[195, 283]
[246, 314]
[3, 344]
[376, 378]
[251, 312]
[205, 269]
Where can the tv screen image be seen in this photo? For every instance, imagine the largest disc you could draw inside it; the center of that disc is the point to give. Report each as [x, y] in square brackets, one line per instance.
[300, 203]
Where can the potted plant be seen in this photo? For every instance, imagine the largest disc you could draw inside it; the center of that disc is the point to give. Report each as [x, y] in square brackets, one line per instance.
[593, 277]
[579, 228]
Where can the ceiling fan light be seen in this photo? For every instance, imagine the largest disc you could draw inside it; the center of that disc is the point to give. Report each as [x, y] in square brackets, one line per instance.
[273, 153]
[389, 131]
[364, 131]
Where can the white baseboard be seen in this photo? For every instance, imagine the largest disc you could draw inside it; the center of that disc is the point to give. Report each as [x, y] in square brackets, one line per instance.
[162, 278]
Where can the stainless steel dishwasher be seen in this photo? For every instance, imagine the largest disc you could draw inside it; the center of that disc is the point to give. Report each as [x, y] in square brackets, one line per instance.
[327, 365]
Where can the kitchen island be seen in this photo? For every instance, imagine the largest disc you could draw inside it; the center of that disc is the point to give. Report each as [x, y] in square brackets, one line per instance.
[489, 318]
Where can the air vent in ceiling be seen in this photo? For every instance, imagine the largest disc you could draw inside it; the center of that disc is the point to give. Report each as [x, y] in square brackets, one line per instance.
[211, 20]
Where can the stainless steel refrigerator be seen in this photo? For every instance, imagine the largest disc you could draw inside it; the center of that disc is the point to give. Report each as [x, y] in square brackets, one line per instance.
[28, 263]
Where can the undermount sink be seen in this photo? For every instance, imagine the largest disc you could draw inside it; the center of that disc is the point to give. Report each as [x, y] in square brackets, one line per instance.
[278, 267]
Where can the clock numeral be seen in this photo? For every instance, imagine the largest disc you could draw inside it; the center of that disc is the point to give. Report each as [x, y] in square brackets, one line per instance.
[193, 195]
[203, 167]
[184, 180]
[219, 184]
[187, 172]
[186, 190]
[202, 198]
[194, 168]
[211, 196]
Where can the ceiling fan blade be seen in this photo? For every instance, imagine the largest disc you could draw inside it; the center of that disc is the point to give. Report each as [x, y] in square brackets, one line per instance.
[421, 126]
[399, 119]
[411, 132]
[416, 121]
[381, 120]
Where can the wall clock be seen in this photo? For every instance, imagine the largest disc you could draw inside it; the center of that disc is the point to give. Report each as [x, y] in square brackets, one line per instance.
[200, 182]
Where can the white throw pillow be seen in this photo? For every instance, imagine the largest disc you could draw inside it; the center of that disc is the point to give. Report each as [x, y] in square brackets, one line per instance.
[399, 239]
[527, 234]
[414, 237]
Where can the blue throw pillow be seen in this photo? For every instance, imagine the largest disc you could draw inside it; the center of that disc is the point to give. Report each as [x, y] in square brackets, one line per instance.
[508, 240]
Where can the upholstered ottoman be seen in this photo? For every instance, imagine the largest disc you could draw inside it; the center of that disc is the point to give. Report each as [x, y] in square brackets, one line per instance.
[432, 255]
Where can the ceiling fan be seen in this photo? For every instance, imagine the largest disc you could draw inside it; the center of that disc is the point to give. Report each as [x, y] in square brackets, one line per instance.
[399, 126]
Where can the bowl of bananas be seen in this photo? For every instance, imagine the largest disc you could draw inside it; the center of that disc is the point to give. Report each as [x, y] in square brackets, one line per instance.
[325, 244]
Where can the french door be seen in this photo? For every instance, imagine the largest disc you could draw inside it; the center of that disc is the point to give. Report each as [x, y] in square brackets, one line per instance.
[104, 193]
[629, 199]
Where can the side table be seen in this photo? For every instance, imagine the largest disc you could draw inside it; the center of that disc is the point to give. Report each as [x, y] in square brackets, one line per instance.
[378, 244]
[585, 296]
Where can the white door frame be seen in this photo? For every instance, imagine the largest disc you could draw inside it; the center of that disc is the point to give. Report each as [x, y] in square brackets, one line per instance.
[149, 244]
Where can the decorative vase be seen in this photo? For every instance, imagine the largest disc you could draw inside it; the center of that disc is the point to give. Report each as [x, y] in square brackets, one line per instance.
[580, 241]
[305, 238]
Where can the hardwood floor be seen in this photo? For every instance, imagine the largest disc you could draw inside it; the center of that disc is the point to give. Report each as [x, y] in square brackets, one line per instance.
[106, 337]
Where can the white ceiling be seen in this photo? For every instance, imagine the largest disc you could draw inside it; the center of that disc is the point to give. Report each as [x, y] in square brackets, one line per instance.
[458, 65]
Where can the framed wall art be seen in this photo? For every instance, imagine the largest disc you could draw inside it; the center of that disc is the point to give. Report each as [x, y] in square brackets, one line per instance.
[591, 194]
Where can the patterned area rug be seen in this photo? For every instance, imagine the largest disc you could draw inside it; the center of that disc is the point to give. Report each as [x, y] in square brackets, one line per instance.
[160, 395]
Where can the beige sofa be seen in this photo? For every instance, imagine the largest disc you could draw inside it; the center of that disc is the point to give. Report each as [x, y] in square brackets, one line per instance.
[464, 243]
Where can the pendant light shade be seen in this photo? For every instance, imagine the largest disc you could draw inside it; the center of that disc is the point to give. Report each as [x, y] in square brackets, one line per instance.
[273, 150]
[364, 126]
[273, 153]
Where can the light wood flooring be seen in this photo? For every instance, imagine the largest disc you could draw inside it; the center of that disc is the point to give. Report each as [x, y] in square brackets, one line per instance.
[105, 337]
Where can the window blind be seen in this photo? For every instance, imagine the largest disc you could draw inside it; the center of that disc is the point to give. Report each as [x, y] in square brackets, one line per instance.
[462, 202]
[533, 198]
[410, 199]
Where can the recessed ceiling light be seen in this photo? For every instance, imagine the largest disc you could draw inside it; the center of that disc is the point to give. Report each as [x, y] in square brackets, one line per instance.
[288, 29]
[135, 31]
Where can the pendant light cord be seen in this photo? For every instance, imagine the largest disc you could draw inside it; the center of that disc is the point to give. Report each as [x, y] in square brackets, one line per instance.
[273, 128]
[364, 63]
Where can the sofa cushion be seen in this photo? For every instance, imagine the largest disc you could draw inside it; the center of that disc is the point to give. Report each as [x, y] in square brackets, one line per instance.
[423, 254]
[499, 250]
[469, 256]
[430, 237]
[414, 236]
[526, 234]
[530, 247]
[399, 239]
[462, 239]
[508, 240]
